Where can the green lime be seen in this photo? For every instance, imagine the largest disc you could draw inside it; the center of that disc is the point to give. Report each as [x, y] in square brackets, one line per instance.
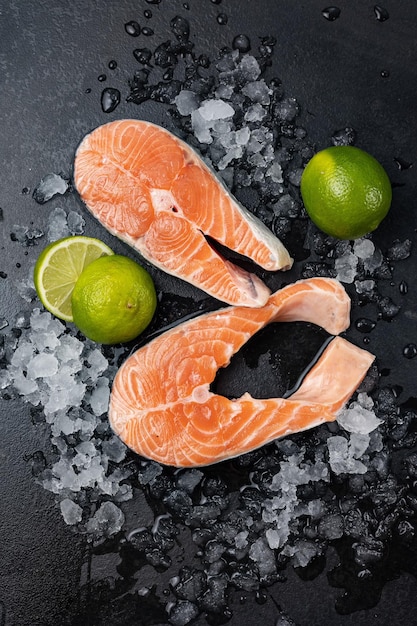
[57, 270]
[346, 191]
[113, 300]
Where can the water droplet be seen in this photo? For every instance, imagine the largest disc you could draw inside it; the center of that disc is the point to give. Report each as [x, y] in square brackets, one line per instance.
[110, 98]
[147, 13]
[410, 351]
[153, 1]
[25, 191]
[261, 596]
[169, 73]
[222, 19]
[331, 13]
[102, 78]
[18, 265]
[216, 1]
[401, 164]
[203, 61]
[132, 28]
[181, 28]
[88, 90]
[385, 74]
[381, 14]
[403, 287]
[142, 55]
[112, 64]
[186, 6]
[3, 275]
[365, 325]
[148, 32]
[241, 43]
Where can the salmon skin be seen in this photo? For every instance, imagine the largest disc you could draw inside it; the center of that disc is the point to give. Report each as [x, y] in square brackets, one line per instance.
[161, 405]
[154, 192]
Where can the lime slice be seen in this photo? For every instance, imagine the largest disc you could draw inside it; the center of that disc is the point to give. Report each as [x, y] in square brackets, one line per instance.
[58, 268]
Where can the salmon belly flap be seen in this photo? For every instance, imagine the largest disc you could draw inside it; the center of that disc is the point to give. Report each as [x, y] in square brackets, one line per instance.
[161, 404]
[153, 191]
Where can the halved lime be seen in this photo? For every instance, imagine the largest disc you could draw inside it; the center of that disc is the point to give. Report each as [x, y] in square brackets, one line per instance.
[58, 267]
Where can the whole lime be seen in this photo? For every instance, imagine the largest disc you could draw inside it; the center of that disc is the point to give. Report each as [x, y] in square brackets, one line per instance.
[114, 300]
[346, 191]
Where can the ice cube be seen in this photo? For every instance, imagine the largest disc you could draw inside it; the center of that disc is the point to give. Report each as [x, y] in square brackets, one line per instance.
[186, 102]
[107, 520]
[341, 457]
[50, 186]
[42, 365]
[75, 223]
[346, 267]
[257, 91]
[255, 113]
[57, 224]
[363, 248]
[99, 400]
[71, 511]
[212, 110]
[264, 557]
[357, 419]
[183, 612]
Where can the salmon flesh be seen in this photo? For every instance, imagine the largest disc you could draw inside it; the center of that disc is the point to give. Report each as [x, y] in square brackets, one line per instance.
[161, 404]
[154, 192]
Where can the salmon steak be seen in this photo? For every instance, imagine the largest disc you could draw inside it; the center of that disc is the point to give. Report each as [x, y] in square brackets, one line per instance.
[161, 404]
[154, 192]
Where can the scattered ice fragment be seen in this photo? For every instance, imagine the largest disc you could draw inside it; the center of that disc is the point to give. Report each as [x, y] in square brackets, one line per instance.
[286, 110]
[255, 113]
[27, 236]
[249, 68]
[399, 250]
[363, 248]
[50, 186]
[302, 552]
[341, 457]
[187, 101]
[42, 365]
[97, 364]
[374, 262]
[107, 520]
[273, 538]
[357, 419]
[346, 266]
[365, 286]
[75, 223]
[264, 557]
[99, 400]
[114, 449]
[183, 612]
[57, 224]
[257, 91]
[71, 512]
[212, 110]
[241, 539]
[24, 386]
[26, 290]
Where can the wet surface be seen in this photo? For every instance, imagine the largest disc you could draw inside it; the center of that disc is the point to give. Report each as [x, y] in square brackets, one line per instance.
[352, 69]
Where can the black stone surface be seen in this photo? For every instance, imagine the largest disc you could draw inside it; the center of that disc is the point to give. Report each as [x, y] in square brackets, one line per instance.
[354, 71]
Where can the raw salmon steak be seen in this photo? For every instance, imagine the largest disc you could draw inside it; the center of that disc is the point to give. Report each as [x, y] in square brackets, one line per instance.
[161, 404]
[154, 192]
